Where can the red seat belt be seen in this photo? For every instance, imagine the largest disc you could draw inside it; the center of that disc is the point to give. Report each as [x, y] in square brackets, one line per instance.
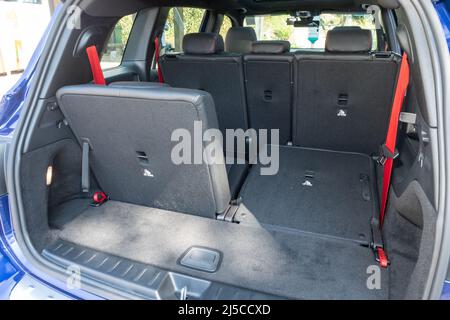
[389, 152]
[97, 72]
[157, 53]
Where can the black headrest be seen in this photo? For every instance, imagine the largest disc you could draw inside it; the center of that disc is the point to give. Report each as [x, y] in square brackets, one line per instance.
[202, 43]
[239, 39]
[348, 40]
[271, 46]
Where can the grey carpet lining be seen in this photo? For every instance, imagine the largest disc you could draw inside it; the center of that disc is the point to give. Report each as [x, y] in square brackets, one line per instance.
[292, 265]
[66, 212]
[332, 205]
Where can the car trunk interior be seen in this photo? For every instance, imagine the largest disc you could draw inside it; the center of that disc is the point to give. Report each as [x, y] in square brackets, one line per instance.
[289, 240]
[303, 233]
[296, 242]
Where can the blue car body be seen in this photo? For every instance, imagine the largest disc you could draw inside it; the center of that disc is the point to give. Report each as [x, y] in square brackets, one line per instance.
[443, 11]
[13, 265]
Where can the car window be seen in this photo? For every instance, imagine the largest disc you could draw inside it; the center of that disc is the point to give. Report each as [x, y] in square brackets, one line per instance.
[113, 53]
[226, 25]
[181, 21]
[311, 36]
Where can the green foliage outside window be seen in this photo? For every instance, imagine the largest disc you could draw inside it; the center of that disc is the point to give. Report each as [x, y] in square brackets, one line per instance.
[181, 21]
[125, 24]
[274, 27]
[113, 53]
[226, 25]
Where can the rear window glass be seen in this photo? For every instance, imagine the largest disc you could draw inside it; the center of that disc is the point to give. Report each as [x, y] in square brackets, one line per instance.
[181, 21]
[113, 53]
[311, 36]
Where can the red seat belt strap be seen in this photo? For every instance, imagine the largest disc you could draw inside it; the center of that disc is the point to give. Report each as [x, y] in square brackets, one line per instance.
[157, 53]
[97, 72]
[391, 137]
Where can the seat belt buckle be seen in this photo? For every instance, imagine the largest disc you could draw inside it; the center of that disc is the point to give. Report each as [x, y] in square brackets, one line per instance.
[381, 257]
[385, 154]
[99, 198]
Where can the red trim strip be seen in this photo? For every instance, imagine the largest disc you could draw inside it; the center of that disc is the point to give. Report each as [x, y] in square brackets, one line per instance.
[97, 72]
[391, 137]
[157, 53]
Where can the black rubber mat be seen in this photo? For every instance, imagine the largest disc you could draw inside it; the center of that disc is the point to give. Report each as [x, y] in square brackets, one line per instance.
[325, 192]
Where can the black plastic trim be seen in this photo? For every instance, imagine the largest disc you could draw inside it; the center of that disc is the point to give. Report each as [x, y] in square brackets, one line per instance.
[144, 280]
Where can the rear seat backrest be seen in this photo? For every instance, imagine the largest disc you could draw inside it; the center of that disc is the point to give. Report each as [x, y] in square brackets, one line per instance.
[269, 79]
[344, 95]
[204, 66]
[129, 130]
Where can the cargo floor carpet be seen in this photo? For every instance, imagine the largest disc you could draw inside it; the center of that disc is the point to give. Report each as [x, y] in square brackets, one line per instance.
[316, 191]
[285, 263]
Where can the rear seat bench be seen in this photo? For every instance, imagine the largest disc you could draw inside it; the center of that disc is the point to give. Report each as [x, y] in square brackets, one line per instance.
[337, 100]
[334, 100]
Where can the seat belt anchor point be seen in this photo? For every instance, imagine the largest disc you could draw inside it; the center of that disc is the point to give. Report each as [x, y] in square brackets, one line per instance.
[381, 256]
[99, 198]
[385, 154]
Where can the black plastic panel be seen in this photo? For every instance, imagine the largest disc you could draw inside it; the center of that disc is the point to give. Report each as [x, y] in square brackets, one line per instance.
[144, 280]
[50, 126]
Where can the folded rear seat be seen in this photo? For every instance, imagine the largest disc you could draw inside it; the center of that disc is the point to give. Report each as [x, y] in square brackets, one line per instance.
[344, 95]
[129, 132]
[269, 77]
